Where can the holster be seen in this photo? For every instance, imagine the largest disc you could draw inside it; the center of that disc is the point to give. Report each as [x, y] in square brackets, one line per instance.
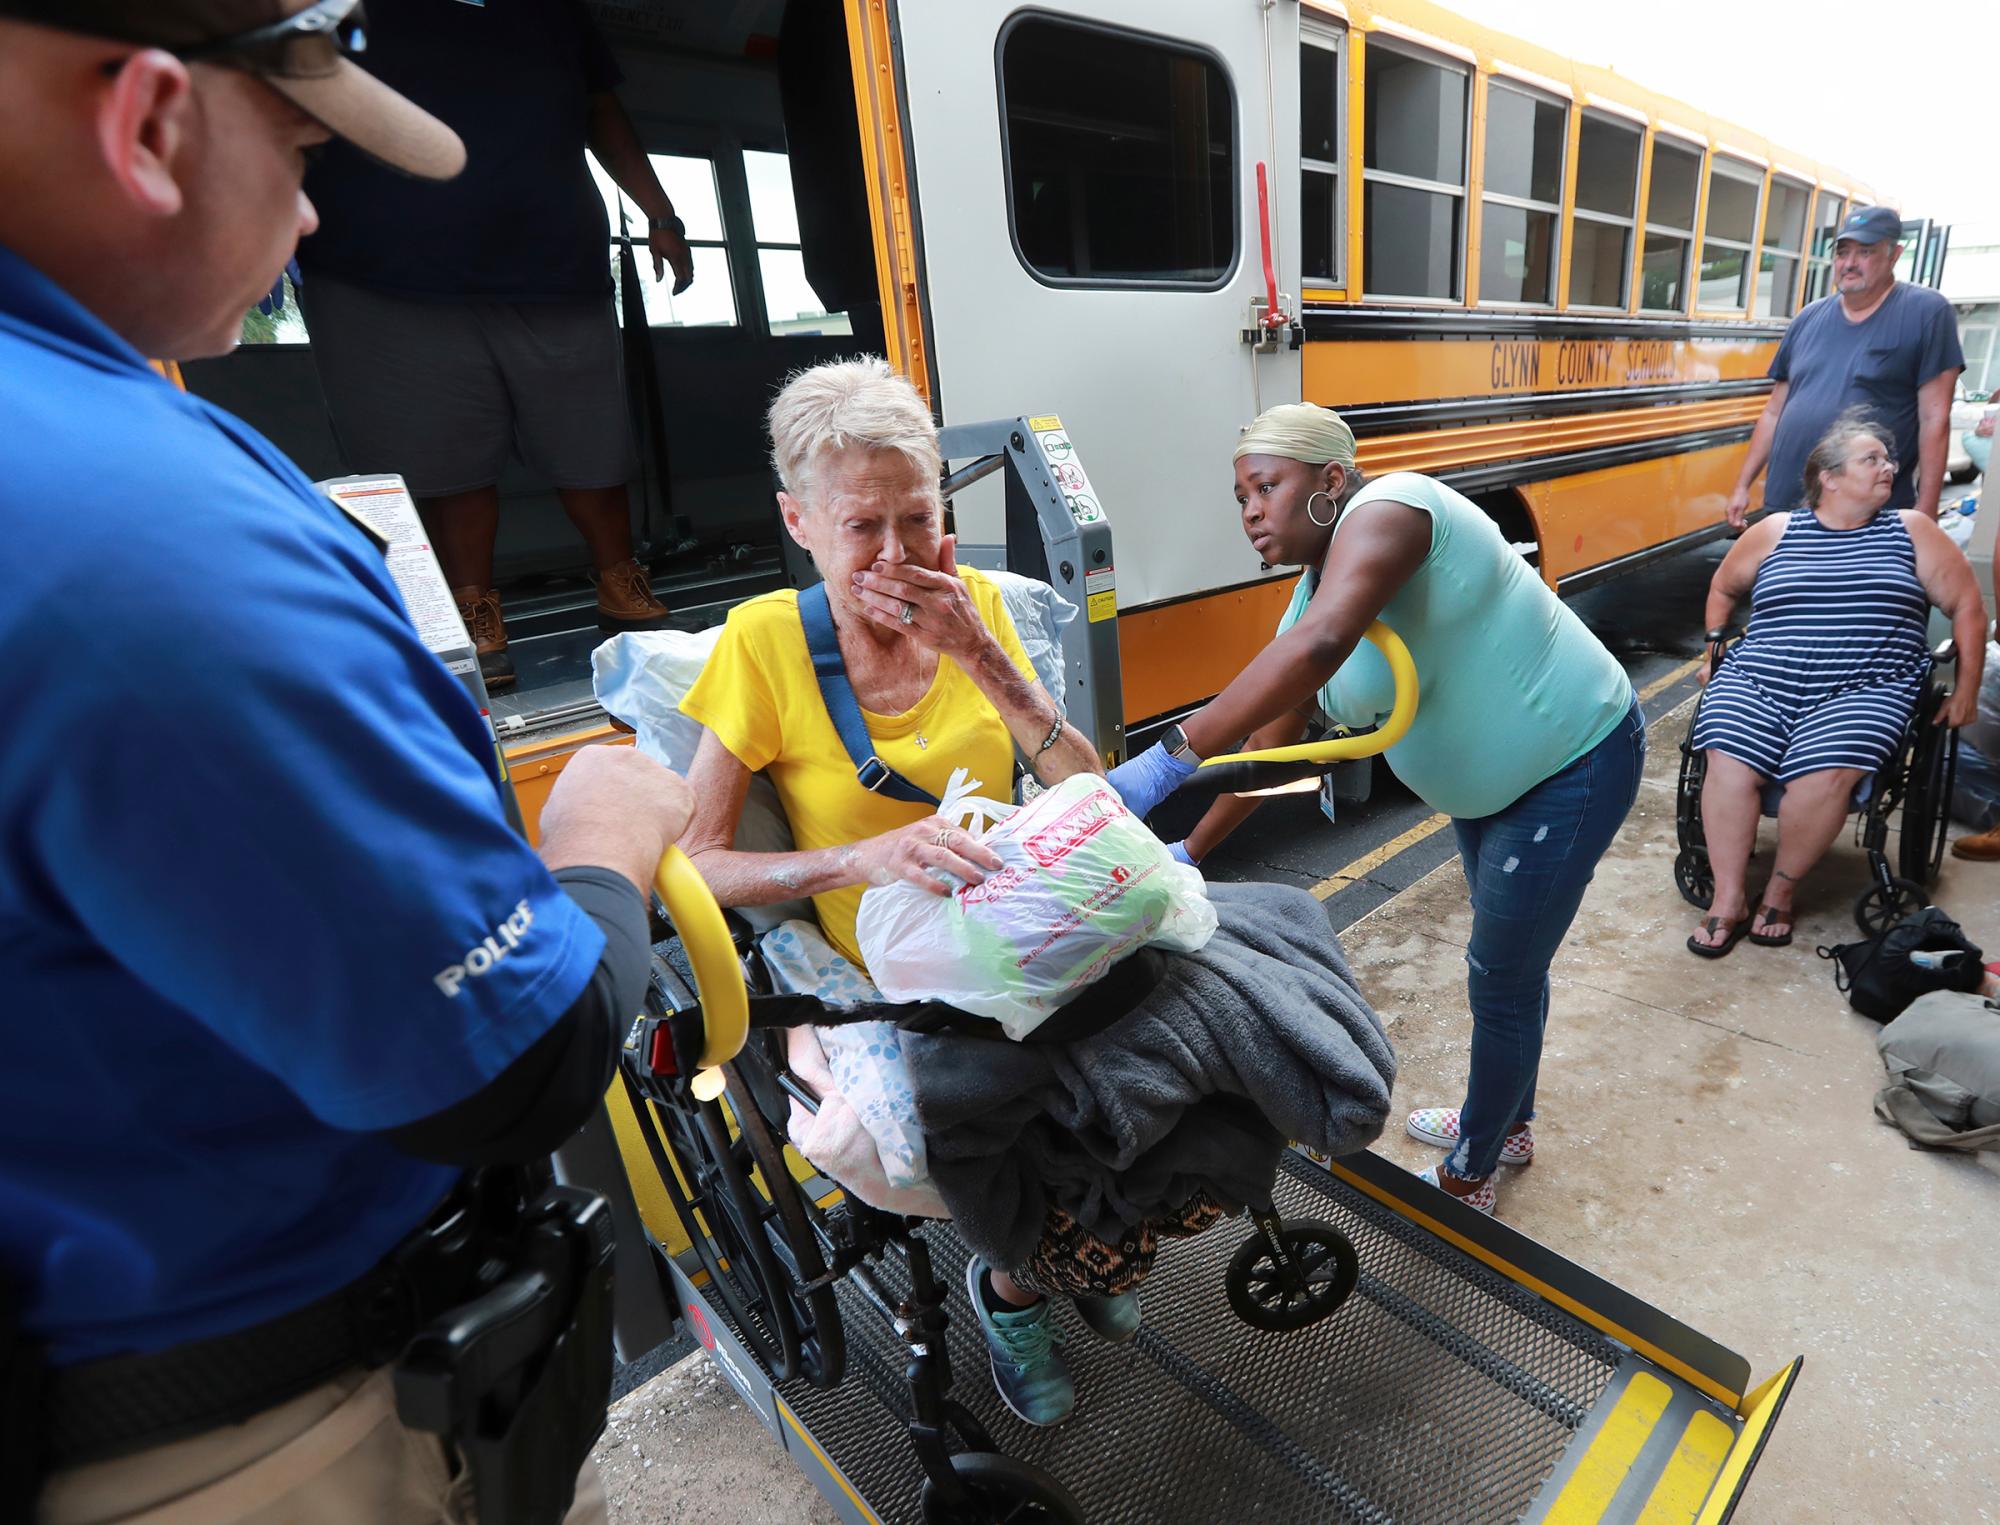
[21, 1381]
[518, 1379]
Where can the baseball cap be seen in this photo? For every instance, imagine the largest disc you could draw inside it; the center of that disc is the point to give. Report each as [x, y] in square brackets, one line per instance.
[1871, 225]
[300, 48]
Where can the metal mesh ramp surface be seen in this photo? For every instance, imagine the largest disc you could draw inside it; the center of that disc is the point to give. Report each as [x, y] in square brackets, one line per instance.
[1441, 1392]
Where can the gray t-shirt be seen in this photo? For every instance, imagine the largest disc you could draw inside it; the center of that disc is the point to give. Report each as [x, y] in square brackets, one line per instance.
[1876, 365]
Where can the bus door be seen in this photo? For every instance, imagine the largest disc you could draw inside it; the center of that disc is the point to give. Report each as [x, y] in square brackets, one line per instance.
[1924, 246]
[1087, 214]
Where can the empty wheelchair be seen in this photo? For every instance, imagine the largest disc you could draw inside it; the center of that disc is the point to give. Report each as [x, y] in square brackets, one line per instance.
[1908, 797]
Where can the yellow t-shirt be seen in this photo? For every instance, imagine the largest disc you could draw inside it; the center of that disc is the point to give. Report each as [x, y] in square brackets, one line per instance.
[758, 694]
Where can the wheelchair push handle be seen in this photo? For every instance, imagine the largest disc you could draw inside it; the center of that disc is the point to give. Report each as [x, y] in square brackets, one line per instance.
[718, 977]
[1243, 772]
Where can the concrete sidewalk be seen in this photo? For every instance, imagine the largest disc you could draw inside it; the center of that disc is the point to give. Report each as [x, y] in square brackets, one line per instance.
[1705, 1141]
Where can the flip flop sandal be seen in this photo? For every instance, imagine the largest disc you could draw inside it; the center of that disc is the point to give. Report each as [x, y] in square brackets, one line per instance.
[1766, 914]
[1738, 930]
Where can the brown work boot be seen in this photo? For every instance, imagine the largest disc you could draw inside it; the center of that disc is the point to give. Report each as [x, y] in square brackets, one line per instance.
[480, 609]
[625, 600]
[1983, 848]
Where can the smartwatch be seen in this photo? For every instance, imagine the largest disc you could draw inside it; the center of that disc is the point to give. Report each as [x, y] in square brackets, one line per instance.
[1174, 739]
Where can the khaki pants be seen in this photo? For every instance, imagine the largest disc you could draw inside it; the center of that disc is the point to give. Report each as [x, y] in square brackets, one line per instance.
[334, 1456]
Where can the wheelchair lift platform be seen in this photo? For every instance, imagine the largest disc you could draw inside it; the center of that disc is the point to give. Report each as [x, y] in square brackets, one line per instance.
[1473, 1376]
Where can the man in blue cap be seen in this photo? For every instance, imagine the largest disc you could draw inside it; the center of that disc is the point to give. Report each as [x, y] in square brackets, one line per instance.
[1882, 345]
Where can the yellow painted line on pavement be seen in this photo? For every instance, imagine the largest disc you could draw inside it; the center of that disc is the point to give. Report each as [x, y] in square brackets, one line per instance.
[1658, 684]
[1368, 862]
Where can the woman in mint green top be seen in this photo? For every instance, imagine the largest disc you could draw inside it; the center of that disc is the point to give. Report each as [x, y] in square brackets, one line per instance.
[1527, 732]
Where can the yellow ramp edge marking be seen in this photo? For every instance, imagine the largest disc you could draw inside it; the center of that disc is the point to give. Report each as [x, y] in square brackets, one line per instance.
[1603, 1468]
[1690, 1472]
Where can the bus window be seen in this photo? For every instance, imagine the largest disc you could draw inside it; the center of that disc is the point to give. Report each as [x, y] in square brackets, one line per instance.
[1670, 206]
[1729, 235]
[1120, 156]
[689, 182]
[1413, 167]
[1828, 208]
[1322, 245]
[1607, 196]
[790, 305]
[1784, 241]
[1521, 206]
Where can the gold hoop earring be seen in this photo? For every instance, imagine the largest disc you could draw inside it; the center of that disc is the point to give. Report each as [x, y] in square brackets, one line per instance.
[1325, 524]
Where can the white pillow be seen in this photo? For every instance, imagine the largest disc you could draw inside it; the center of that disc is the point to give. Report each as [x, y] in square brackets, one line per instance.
[640, 677]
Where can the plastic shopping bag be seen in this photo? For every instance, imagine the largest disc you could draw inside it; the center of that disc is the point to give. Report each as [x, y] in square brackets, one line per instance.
[1084, 883]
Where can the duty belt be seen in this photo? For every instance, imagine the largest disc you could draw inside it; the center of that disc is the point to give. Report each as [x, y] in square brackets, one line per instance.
[96, 1410]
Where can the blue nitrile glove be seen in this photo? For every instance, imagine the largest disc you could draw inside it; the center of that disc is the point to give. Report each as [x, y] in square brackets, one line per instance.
[1143, 781]
[1179, 853]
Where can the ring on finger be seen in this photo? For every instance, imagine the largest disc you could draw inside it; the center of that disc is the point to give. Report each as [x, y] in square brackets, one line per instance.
[942, 839]
[909, 614]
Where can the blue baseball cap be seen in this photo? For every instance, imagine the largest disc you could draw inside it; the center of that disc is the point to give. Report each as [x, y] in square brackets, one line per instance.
[1871, 225]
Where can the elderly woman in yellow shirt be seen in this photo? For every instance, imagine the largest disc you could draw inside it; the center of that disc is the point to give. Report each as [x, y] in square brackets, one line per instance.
[942, 681]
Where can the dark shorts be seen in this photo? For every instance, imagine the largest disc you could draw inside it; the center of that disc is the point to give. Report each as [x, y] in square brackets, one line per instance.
[441, 391]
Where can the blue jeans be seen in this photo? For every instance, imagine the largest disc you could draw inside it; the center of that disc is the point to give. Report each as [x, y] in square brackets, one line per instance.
[1527, 867]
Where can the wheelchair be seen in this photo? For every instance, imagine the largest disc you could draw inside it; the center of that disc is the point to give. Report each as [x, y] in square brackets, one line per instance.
[1909, 796]
[704, 1070]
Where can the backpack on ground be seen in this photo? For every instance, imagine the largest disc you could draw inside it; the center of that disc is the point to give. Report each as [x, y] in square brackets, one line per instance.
[1923, 952]
[1943, 1057]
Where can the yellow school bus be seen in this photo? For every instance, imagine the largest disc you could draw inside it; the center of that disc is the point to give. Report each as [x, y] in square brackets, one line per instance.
[1150, 219]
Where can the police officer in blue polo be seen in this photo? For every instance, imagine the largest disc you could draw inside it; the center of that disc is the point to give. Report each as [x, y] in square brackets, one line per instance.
[251, 845]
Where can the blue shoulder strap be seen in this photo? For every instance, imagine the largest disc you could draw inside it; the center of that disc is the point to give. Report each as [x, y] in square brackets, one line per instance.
[844, 709]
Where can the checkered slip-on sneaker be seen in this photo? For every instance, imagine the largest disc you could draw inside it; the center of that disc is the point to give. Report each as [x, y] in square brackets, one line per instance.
[1481, 1201]
[1439, 1126]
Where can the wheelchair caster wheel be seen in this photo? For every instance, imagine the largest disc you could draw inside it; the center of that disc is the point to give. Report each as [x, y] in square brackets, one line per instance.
[1000, 1491]
[1695, 879]
[1878, 909]
[1268, 1295]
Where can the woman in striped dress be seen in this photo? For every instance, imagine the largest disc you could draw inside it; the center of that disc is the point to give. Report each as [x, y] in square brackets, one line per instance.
[1817, 693]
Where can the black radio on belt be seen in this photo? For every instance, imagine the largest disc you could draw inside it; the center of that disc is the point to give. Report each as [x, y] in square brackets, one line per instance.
[518, 1378]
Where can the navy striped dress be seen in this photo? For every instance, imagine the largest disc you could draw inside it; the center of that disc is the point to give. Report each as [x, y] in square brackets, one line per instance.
[1833, 663]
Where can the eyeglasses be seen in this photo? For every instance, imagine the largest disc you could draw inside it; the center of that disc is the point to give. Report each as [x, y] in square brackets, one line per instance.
[1873, 458]
[307, 44]
[295, 46]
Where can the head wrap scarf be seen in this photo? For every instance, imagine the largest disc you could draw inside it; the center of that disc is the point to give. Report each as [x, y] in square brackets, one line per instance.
[1299, 431]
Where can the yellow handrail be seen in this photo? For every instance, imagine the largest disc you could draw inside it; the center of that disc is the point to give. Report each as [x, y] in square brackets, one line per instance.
[718, 977]
[1338, 748]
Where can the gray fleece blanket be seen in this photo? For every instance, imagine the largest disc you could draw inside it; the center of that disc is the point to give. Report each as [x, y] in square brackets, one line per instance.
[1259, 1038]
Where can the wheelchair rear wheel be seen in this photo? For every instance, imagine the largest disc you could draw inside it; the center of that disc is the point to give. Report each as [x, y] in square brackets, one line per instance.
[1000, 1491]
[1927, 804]
[1268, 1295]
[799, 1240]
[1693, 876]
[720, 1212]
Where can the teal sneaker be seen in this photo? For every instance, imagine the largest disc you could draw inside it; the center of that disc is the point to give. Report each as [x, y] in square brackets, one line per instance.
[1111, 1318]
[1028, 1370]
